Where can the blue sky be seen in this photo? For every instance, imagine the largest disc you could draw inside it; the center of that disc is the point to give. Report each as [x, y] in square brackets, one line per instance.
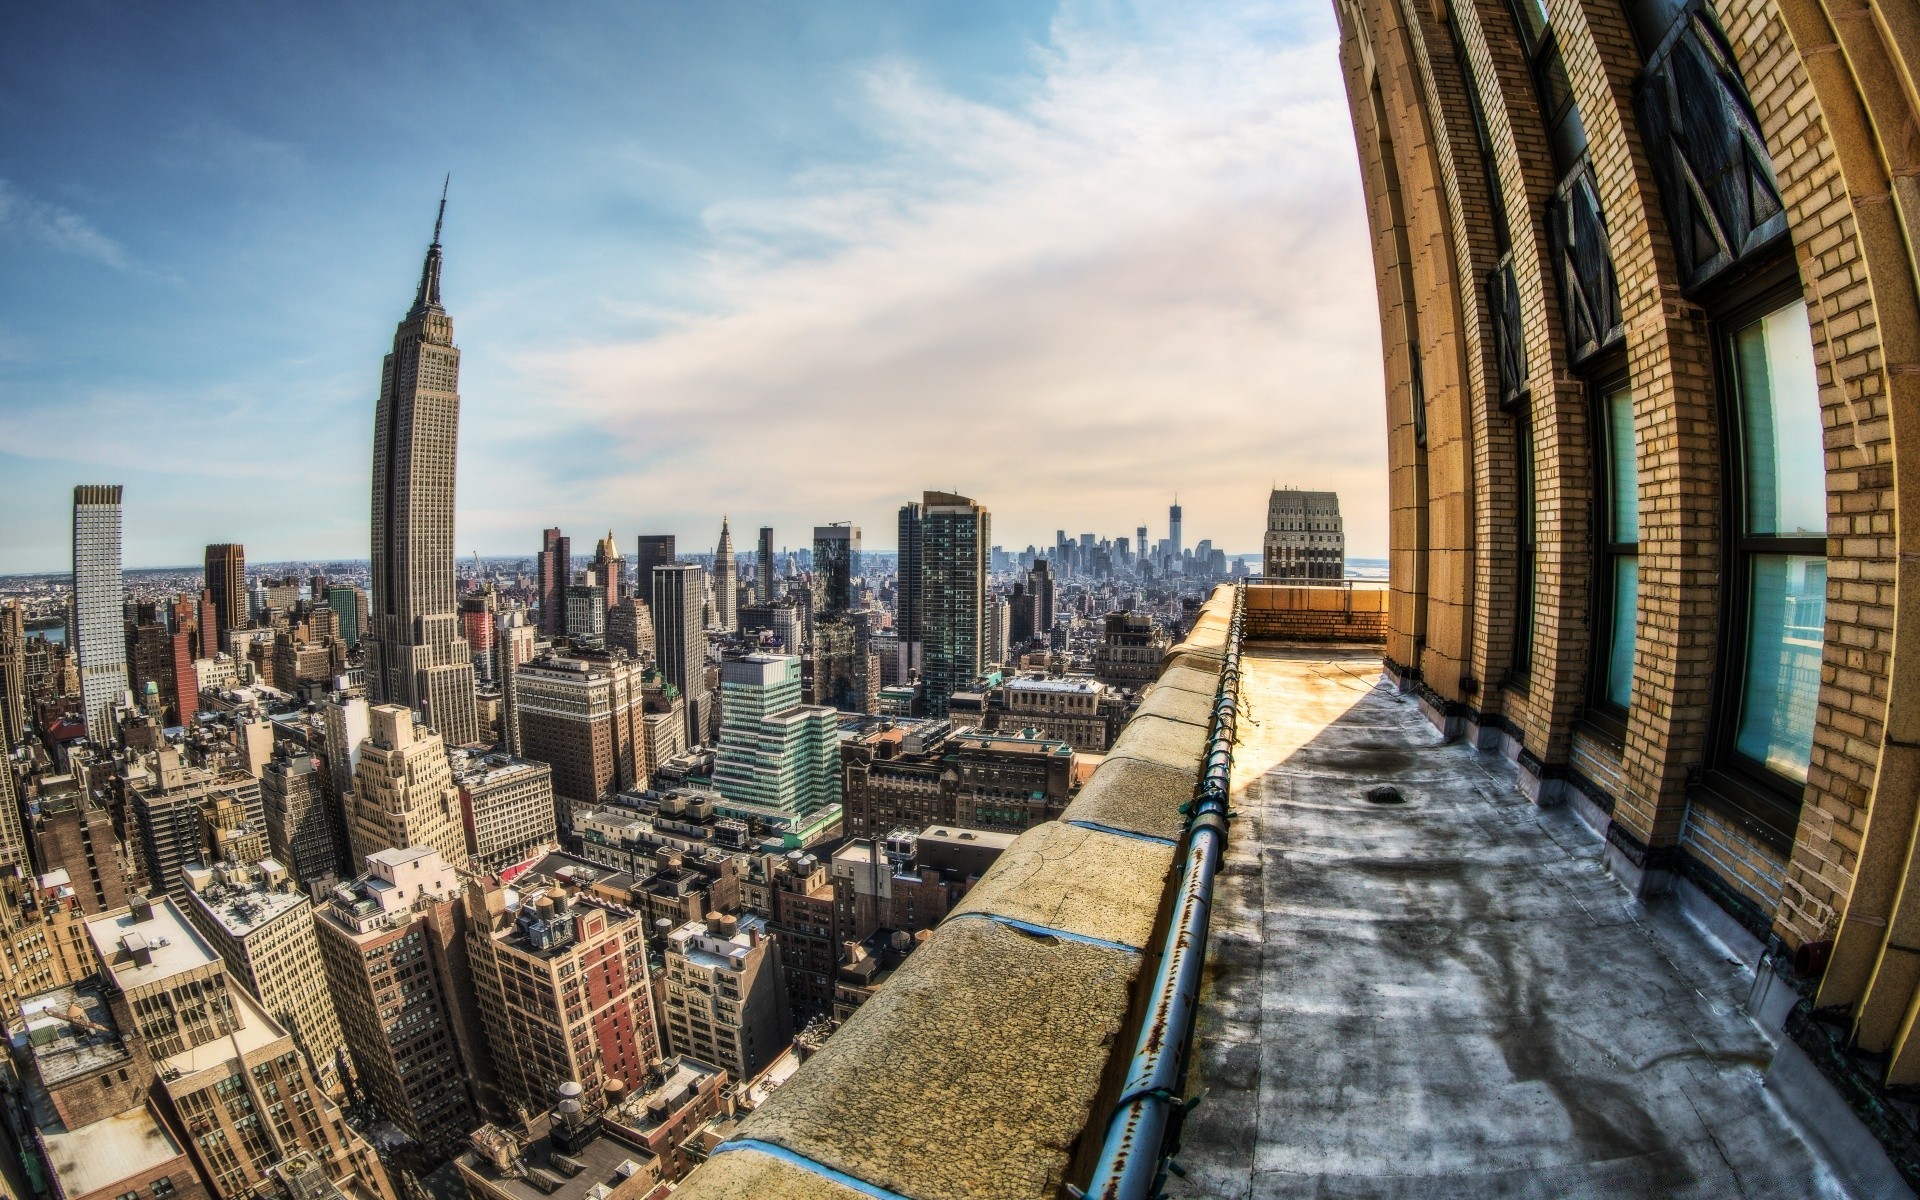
[788, 262]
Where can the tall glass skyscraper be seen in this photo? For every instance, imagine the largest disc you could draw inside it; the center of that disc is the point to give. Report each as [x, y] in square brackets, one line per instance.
[836, 563]
[956, 536]
[99, 641]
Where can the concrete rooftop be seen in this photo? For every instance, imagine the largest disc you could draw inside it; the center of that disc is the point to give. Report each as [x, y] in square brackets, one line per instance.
[1450, 996]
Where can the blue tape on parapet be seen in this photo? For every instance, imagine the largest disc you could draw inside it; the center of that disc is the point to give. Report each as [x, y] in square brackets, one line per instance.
[806, 1164]
[1049, 931]
[1097, 827]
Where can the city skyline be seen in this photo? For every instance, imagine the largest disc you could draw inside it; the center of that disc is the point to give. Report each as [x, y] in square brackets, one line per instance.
[971, 232]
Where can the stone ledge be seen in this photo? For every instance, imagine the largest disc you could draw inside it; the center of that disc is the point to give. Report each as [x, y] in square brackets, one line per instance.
[1137, 797]
[1078, 881]
[1174, 704]
[752, 1175]
[979, 1067]
[973, 1071]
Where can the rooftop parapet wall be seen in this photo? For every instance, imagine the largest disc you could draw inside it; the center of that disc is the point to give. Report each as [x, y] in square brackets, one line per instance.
[989, 1062]
[1304, 613]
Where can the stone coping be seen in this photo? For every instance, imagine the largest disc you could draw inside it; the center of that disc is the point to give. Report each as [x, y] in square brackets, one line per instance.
[987, 1064]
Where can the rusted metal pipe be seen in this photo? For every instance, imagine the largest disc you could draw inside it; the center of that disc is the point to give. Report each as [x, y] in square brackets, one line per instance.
[1134, 1157]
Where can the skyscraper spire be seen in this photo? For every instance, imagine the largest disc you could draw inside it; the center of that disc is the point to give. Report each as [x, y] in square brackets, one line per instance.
[427, 299]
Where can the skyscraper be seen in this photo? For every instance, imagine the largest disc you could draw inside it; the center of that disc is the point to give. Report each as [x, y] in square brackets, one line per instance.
[680, 640]
[836, 561]
[955, 535]
[554, 565]
[226, 576]
[415, 654]
[99, 640]
[653, 550]
[775, 752]
[1173, 530]
[1305, 537]
[910, 609]
[403, 790]
[13, 674]
[725, 597]
[1140, 548]
[609, 570]
[763, 591]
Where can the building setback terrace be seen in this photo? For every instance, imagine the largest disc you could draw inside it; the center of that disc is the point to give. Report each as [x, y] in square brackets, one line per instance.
[1416, 983]
[1441, 991]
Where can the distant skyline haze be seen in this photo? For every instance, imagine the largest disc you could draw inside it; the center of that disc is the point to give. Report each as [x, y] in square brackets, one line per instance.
[791, 264]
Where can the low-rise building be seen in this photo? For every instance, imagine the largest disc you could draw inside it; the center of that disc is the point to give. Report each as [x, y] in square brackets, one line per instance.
[725, 996]
[507, 805]
[84, 1087]
[566, 1153]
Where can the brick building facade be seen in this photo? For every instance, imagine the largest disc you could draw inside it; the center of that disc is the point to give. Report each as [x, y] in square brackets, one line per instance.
[1652, 336]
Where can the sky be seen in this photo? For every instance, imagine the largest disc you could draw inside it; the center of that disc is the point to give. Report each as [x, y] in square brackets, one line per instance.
[791, 263]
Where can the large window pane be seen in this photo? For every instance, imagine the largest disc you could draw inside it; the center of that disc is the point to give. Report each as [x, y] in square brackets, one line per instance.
[1787, 623]
[1623, 483]
[1780, 424]
[1626, 602]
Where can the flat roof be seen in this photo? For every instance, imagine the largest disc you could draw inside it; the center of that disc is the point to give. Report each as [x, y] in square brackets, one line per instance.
[244, 908]
[1027, 683]
[173, 945]
[64, 1048]
[94, 1157]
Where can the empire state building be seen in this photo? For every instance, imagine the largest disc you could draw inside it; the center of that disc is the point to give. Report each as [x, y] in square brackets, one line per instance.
[416, 655]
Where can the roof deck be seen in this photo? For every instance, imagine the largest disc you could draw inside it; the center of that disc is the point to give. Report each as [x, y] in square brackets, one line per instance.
[1434, 992]
[1449, 995]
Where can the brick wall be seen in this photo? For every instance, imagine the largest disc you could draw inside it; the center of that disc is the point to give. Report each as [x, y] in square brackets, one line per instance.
[1316, 614]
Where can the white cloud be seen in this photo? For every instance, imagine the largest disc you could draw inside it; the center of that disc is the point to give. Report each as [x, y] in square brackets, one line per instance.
[57, 227]
[1148, 274]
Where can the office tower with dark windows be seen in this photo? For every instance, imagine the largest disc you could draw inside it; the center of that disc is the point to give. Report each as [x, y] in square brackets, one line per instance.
[910, 607]
[415, 654]
[763, 582]
[554, 567]
[226, 579]
[1173, 531]
[1040, 587]
[99, 639]
[304, 829]
[836, 563]
[680, 638]
[1305, 538]
[955, 536]
[652, 550]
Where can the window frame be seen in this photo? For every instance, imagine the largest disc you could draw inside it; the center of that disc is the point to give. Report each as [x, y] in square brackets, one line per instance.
[1610, 375]
[1526, 550]
[1755, 798]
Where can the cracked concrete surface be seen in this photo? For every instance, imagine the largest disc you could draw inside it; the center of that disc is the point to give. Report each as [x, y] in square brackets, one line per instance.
[1450, 996]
